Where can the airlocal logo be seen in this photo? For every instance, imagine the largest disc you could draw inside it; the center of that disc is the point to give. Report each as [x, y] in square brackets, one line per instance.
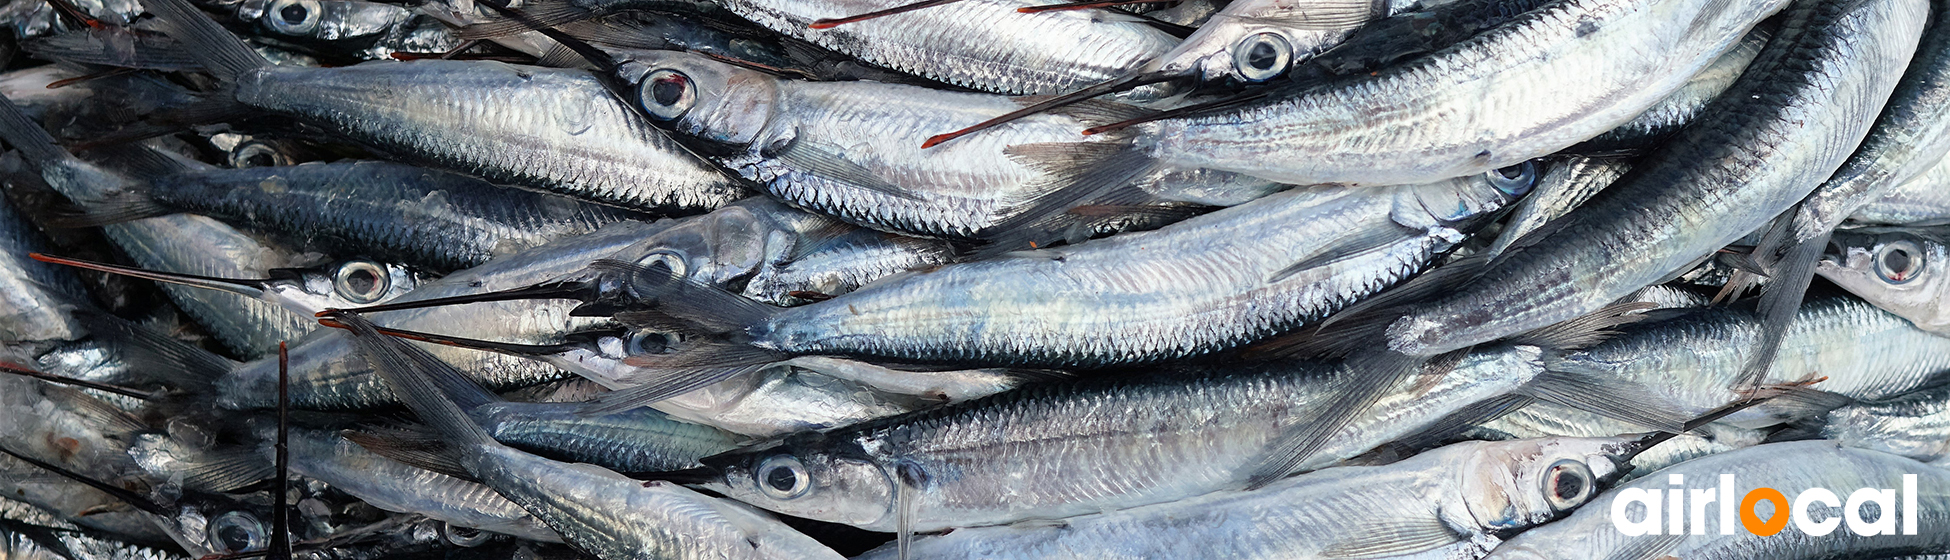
[1678, 510]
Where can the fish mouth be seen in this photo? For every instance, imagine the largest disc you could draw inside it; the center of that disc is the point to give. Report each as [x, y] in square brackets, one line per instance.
[247, 287]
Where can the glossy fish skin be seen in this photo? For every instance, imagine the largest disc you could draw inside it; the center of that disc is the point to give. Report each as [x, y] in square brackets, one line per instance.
[1910, 136]
[641, 440]
[1802, 106]
[853, 149]
[1683, 106]
[1038, 452]
[1307, 28]
[1193, 287]
[1447, 114]
[397, 487]
[1471, 491]
[35, 297]
[385, 210]
[180, 243]
[1914, 425]
[1904, 271]
[847, 263]
[1589, 533]
[599, 511]
[1921, 201]
[1693, 361]
[326, 374]
[978, 44]
[78, 432]
[555, 130]
[1543, 419]
[1568, 184]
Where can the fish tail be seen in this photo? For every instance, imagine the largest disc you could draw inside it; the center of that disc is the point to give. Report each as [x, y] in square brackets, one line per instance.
[1085, 174]
[222, 53]
[21, 132]
[1780, 301]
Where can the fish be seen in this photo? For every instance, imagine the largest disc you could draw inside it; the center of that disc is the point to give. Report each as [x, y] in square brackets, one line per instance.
[1919, 201]
[181, 243]
[1452, 502]
[1899, 270]
[1567, 185]
[598, 510]
[348, 28]
[556, 130]
[1910, 424]
[1444, 115]
[1040, 452]
[1683, 106]
[412, 215]
[1789, 467]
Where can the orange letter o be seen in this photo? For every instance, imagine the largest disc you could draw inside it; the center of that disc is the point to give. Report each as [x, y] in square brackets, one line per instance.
[1773, 524]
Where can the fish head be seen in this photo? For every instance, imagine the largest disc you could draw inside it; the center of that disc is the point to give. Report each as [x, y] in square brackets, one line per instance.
[326, 20]
[811, 476]
[1464, 201]
[721, 248]
[339, 285]
[1517, 484]
[1905, 271]
[702, 97]
[1254, 41]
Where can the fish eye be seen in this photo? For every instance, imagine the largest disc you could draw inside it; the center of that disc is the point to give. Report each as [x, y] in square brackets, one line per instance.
[237, 531]
[1514, 180]
[783, 477]
[293, 17]
[1568, 484]
[256, 154]
[666, 94]
[1899, 262]
[361, 281]
[464, 537]
[1261, 57]
[647, 342]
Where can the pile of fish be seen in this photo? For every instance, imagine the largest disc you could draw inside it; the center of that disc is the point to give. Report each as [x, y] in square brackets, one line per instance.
[960, 279]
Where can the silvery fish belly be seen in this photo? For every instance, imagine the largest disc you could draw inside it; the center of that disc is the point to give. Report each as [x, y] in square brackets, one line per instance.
[978, 44]
[1040, 452]
[854, 149]
[35, 297]
[1447, 503]
[555, 130]
[1923, 200]
[395, 486]
[1456, 112]
[1909, 498]
[1914, 425]
[1205, 284]
[1800, 106]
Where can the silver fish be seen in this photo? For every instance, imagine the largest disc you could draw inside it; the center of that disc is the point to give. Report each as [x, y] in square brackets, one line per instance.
[601, 512]
[72, 430]
[978, 44]
[1544, 419]
[1444, 115]
[1565, 186]
[845, 264]
[180, 243]
[1902, 271]
[1451, 502]
[1683, 106]
[1914, 425]
[1920, 201]
[393, 486]
[1039, 452]
[555, 130]
[1205, 284]
[35, 297]
[365, 30]
[1789, 467]
[854, 149]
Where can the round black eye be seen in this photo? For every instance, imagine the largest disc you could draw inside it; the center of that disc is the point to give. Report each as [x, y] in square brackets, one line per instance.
[783, 477]
[256, 154]
[293, 17]
[361, 281]
[1567, 484]
[237, 531]
[463, 536]
[1261, 57]
[666, 94]
[1899, 262]
[1514, 180]
[667, 261]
